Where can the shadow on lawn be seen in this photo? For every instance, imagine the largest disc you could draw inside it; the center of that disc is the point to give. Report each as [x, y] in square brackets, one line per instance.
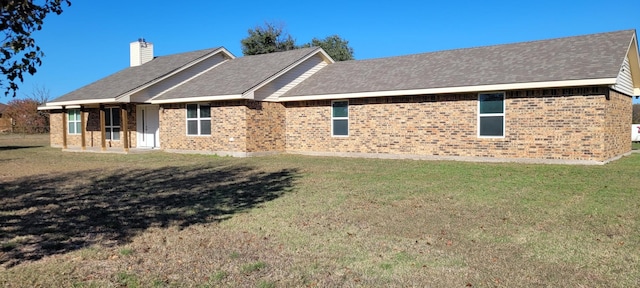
[15, 147]
[52, 214]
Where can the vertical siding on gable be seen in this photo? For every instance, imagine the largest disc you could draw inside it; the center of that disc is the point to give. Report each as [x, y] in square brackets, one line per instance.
[624, 83]
[293, 77]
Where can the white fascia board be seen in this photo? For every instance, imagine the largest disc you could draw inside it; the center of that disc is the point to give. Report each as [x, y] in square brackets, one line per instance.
[326, 56]
[83, 102]
[198, 99]
[461, 89]
[40, 108]
[287, 69]
[222, 49]
[174, 72]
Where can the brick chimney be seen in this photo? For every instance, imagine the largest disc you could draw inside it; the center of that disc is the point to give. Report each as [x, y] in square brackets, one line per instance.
[141, 52]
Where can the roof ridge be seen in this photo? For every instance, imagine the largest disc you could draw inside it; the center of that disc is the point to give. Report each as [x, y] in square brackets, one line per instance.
[276, 52]
[187, 52]
[492, 45]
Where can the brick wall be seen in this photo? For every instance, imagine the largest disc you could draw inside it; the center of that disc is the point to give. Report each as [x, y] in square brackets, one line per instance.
[565, 124]
[556, 124]
[228, 128]
[265, 126]
[619, 111]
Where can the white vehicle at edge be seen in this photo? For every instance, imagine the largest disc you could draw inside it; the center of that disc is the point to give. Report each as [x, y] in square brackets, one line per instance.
[635, 132]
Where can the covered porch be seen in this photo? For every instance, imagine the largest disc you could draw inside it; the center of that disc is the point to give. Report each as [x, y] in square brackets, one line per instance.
[104, 127]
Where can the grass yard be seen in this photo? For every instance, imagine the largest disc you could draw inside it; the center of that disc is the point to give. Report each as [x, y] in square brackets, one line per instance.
[176, 220]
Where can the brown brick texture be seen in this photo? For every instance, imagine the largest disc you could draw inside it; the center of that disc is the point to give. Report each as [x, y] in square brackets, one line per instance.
[571, 124]
[619, 113]
[228, 128]
[236, 126]
[265, 127]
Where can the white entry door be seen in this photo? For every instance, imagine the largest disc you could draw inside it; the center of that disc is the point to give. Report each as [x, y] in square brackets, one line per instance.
[147, 118]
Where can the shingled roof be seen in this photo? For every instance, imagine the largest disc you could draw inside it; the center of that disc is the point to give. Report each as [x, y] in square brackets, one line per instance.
[131, 78]
[237, 76]
[595, 56]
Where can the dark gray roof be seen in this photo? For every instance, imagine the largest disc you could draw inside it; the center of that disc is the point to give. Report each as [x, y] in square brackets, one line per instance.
[131, 78]
[574, 58]
[238, 75]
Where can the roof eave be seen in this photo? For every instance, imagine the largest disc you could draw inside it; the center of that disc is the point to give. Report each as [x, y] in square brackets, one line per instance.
[198, 99]
[460, 89]
[83, 102]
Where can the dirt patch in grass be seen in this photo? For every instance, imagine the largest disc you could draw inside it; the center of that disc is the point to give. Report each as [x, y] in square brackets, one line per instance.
[173, 220]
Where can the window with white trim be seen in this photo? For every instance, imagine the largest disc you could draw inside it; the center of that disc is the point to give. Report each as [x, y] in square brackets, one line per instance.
[198, 119]
[112, 123]
[340, 118]
[74, 125]
[491, 114]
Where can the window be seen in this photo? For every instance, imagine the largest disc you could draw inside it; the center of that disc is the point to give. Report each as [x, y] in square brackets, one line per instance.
[112, 123]
[340, 118]
[73, 122]
[491, 114]
[198, 119]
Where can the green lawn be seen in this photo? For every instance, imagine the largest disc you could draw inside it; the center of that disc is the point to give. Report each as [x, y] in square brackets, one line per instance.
[176, 220]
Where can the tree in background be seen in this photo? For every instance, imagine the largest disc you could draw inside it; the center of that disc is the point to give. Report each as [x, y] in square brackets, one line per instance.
[273, 38]
[636, 114]
[19, 53]
[335, 46]
[268, 39]
[25, 114]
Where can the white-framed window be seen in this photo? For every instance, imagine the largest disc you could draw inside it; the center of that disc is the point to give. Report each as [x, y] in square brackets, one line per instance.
[340, 118]
[491, 114]
[198, 119]
[112, 123]
[74, 125]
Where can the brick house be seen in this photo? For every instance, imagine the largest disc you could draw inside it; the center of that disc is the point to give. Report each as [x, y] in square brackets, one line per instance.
[560, 100]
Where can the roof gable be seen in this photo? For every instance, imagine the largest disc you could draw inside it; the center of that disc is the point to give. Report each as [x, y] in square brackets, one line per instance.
[134, 78]
[572, 59]
[236, 77]
[634, 64]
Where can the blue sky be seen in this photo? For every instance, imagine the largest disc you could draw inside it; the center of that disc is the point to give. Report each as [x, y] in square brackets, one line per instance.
[90, 39]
